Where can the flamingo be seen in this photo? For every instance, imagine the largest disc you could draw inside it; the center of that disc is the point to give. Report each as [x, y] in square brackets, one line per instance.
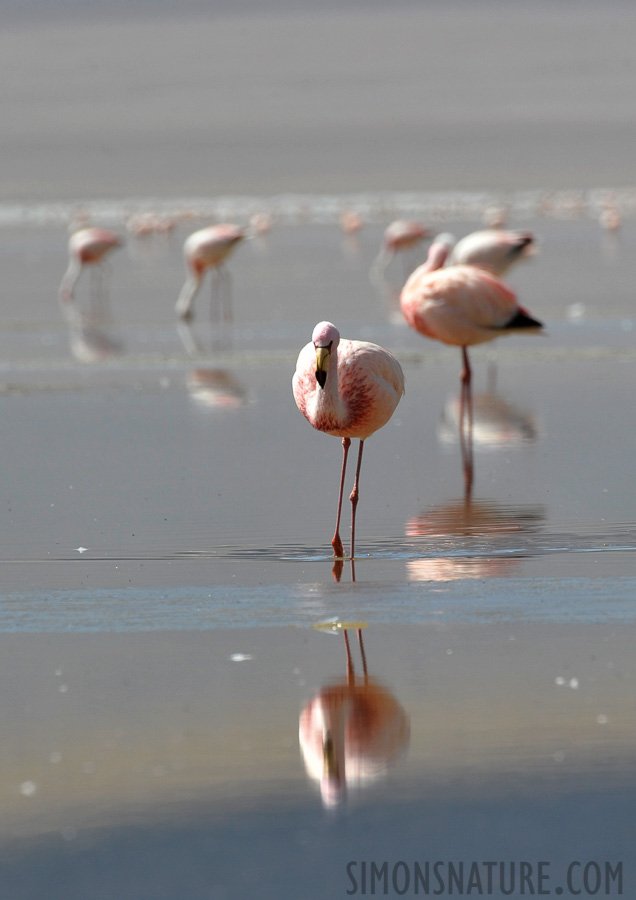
[461, 305]
[349, 389]
[399, 236]
[493, 249]
[203, 250]
[351, 731]
[87, 247]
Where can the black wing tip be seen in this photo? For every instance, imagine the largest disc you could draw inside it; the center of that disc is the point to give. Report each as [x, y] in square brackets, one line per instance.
[522, 320]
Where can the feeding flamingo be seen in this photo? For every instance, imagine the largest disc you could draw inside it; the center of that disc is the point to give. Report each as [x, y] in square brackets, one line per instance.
[461, 305]
[493, 249]
[351, 731]
[87, 247]
[349, 389]
[203, 250]
[399, 236]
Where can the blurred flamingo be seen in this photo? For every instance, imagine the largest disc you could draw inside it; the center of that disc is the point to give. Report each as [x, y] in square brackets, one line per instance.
[399, 236]
[351, 731]
[88, 247]
[461, 305]
[493, 249]
[203, 250]
[349, 389]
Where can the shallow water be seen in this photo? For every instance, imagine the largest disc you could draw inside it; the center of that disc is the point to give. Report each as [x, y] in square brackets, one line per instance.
[166, 558]
[170, 621]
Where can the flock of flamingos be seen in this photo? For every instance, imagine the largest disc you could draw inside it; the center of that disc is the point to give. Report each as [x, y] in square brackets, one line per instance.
[350, 388]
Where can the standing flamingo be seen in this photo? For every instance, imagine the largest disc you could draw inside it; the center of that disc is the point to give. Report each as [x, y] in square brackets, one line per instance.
[87, 247]
[461, 305]
[351, 731]
[493, 249]
[349, 389]
[399, 236]
[203, 250]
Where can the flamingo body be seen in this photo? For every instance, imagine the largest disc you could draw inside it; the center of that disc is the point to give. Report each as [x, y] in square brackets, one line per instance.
[399, 236]
[350, 733]
[363, 385]
[462, 305]
[493, 249]
[349, 389]
[86, 247]
[203, 250]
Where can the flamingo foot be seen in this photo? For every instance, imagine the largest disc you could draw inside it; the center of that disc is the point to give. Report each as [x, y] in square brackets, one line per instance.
[338, 548]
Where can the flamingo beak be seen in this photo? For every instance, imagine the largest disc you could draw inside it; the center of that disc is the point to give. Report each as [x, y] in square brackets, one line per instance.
[322, 363]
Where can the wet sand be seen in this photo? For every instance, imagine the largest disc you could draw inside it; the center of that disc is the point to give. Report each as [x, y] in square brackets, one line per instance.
[167, 513]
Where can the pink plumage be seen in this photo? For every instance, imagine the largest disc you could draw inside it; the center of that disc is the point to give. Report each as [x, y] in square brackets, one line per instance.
[203, 250]
[349, 389]
[461, 305]
[351, 731]
[494, 249]
[87, 247]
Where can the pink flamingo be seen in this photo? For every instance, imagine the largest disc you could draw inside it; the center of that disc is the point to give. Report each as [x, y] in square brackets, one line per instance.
[461, 305]
[349, 389]
[87, 247]
[399, 236]
[351, 731]
[492, 249]
[203, 250]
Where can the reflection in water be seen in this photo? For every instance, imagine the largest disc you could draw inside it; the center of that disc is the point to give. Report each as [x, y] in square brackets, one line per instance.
[495, 422]
[464, 523]
[491, 422]
[90, 323]
[211, 387]
[216, 388]
[485, 419]
[93, 343]
[351, 731]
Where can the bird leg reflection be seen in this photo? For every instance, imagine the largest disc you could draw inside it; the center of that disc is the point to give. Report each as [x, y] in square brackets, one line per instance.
[221, 299]
[466, 423]
[351, 675]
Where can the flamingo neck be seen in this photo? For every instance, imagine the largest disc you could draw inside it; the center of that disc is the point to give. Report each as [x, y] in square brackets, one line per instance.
[437, 256]
[328, 400]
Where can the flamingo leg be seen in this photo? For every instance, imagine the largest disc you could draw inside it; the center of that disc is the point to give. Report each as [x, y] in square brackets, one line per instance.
[354, 496]
[336, 543]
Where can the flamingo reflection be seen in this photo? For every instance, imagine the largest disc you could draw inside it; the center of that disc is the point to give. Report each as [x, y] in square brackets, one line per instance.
[211, 387]
[465, 523]
[351, 731]
[492, 422]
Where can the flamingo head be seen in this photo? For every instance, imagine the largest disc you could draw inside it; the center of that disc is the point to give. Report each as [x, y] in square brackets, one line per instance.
[325, 339]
